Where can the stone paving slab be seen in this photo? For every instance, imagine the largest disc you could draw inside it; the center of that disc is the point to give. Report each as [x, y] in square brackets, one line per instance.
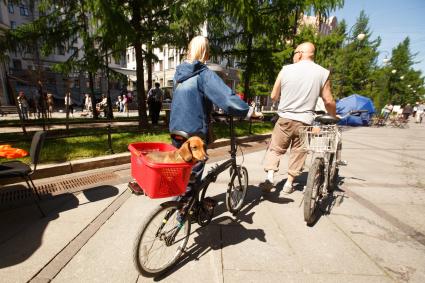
[34, 245]
[367, 237]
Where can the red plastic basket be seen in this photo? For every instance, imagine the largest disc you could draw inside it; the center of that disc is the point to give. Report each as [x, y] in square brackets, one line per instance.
[158, 180]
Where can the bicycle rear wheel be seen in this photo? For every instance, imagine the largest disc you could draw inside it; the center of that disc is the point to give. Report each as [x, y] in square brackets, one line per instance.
[312, 194]
[236, 191]
[160, 240]
[333, 173]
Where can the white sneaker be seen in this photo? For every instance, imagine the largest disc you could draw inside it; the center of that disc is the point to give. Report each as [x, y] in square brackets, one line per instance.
[288, 188]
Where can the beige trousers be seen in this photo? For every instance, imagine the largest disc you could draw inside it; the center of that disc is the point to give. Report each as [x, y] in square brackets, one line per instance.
[286, 134]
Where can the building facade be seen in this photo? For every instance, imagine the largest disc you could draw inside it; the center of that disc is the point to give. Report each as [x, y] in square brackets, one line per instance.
[22, 70]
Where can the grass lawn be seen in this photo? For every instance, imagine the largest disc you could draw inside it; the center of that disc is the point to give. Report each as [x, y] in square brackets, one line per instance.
[71, 148]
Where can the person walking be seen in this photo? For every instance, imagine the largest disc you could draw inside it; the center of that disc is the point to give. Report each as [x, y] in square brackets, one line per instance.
[50, 104]
[68, 104]
[155, 97]
[407, 111]
[119, 105]
[196, 89]
[23, 105]
[297, 88]
[420, 112]
[125, 103]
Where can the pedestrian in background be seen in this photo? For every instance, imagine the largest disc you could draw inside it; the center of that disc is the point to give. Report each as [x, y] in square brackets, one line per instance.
[68, 104]
[420, 112]
[125, 103]
[119, 104]
[407, 111]
[297, 88]
[50, 104]
[155, 97]
[23, 105]
[388, 108]
[87, 102]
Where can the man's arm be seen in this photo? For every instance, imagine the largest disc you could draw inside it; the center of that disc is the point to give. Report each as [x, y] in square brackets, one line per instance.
[276, 88]
[328, 99]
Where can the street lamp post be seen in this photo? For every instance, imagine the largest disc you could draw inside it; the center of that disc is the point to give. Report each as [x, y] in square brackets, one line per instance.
[361, 36]
[386, 59]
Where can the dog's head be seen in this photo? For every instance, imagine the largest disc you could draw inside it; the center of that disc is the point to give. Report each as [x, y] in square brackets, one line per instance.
[193, 150]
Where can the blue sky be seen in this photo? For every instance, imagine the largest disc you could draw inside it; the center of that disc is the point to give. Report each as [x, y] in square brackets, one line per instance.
[393, 21]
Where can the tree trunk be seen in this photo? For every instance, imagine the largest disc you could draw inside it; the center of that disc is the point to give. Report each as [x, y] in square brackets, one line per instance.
[137, 44]
[92, 95]
[108, 92]
[295, 27]
[11, 93]
[247, 75]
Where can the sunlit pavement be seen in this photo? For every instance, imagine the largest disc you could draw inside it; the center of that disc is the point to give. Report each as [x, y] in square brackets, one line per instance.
[374, 230]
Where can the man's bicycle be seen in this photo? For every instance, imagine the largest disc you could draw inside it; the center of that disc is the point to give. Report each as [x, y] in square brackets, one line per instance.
[163, 236]
[324, 142]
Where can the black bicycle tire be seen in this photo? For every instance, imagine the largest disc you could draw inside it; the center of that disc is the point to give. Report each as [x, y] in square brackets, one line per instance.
[236, 208]
[312, 185]
[136, 246]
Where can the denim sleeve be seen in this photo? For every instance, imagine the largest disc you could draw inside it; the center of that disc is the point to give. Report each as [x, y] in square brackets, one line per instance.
[221, 95]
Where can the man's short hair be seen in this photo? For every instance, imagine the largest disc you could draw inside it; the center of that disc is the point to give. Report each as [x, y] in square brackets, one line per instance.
[157, 84]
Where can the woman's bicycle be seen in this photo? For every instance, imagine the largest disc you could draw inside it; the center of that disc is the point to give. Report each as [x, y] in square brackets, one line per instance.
[163, 236]
[324, 142]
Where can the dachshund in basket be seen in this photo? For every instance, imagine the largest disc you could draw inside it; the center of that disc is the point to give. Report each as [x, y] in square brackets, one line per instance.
[191, 151]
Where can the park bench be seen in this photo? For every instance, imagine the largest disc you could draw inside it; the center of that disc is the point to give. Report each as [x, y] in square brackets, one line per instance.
[8, 109]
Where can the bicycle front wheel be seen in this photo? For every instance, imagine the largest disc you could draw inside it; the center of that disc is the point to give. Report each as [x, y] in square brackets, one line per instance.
[312, 193]
[236, 191]
[160, 240]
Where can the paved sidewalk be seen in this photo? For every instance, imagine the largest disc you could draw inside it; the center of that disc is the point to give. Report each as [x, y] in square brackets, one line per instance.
[374, 232]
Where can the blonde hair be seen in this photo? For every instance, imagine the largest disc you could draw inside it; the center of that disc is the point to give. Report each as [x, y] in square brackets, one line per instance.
[198, 49]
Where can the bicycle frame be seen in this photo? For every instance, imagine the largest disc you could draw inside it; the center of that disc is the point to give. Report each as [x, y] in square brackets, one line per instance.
[322, 145]
[211, 177]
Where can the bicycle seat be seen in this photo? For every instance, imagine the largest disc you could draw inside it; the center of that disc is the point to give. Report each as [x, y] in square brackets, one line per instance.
[179, 135]
[183, 136]
[326, 119]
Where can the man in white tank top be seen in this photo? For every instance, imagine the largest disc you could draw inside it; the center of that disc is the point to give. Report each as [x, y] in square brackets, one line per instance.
[297, 88]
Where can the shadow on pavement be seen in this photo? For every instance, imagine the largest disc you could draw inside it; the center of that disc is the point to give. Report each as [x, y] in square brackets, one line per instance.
[335, 198]
[23, 228]
[211, 237]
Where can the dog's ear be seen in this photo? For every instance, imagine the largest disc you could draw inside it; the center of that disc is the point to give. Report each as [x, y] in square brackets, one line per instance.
[185, 151]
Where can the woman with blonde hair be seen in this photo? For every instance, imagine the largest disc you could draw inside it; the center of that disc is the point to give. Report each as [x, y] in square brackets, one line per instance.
[196, 90]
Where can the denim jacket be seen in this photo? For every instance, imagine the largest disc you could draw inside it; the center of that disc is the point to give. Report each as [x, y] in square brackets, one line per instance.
[196, 89]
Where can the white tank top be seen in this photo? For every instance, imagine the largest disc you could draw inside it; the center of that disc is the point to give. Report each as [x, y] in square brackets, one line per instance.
[301, 84]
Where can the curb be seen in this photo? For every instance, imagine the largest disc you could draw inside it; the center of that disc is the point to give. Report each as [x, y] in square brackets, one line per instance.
[52, 170]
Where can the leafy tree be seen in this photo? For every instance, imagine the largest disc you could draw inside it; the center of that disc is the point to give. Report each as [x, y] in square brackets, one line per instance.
[356, 60]
[405, 85]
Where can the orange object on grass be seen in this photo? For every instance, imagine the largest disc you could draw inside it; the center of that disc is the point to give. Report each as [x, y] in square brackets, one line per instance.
[10, 152]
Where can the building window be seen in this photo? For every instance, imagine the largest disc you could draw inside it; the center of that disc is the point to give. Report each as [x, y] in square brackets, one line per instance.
[12, 24]
[128, 58]
[10, 8]
[23, 10]
[161, 65]
[171, 63]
